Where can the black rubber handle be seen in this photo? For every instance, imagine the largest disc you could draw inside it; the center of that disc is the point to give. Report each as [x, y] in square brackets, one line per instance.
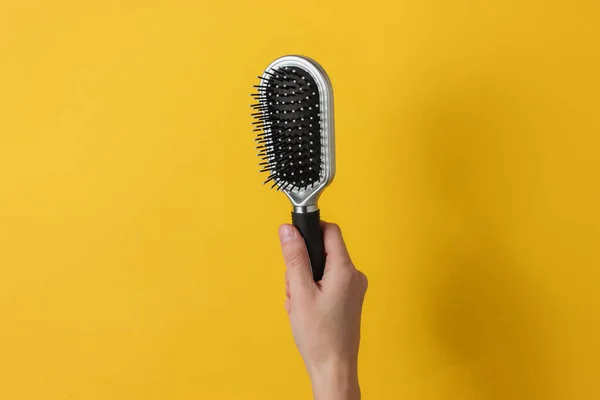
[309, 225]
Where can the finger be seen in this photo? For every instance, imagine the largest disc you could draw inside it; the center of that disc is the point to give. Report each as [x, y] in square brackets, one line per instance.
[296, 260]
[334, 244]
[287, 285]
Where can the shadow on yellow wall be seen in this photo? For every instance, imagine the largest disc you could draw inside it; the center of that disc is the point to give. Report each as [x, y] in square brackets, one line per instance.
[492, 323]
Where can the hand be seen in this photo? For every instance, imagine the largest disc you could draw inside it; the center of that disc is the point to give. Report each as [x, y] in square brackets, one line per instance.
[325, 316]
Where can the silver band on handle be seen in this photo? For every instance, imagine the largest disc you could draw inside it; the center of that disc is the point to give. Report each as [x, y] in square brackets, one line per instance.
[305, 209]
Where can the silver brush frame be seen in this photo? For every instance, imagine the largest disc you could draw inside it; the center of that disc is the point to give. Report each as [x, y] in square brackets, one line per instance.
[305, 200]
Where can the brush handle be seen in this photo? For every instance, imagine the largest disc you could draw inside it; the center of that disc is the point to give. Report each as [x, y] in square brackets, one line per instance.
[309, 225]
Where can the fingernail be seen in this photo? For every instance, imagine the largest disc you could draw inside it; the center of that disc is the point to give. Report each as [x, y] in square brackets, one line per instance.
[286, 233]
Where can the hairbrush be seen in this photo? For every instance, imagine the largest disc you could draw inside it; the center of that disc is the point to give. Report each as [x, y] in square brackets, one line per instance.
[294, 119]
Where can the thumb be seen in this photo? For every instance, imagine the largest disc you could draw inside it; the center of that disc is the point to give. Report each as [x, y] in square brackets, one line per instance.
[296, 260]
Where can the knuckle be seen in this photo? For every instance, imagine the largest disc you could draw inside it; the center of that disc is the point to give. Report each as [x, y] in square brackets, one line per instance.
[295, 259]
[362, 279]
[365, 281]
[335, 228]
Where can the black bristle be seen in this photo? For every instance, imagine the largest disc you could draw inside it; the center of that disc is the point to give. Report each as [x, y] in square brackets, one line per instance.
[289, 124]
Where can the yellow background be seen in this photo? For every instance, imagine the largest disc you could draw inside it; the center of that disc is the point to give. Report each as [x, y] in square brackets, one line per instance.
[138, 249]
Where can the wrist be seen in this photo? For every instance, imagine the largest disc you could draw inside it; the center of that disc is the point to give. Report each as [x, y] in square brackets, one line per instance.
[335, 381]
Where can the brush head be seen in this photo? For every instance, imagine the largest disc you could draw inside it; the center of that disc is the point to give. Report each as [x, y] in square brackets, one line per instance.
[294, 124]
[288, 120]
